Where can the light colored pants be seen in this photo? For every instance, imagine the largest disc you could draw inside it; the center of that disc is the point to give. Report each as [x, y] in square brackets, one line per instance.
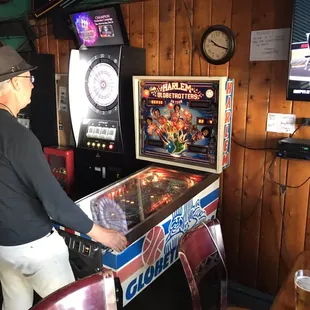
[42, 265]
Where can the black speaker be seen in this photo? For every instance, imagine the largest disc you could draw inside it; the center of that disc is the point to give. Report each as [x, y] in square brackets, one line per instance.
[62, 26]
[41, 112]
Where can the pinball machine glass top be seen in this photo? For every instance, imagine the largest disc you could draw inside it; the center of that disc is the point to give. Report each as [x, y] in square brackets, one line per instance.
[131, 201]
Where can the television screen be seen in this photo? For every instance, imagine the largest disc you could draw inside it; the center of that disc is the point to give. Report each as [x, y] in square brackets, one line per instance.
[100, 27]
[299, 68]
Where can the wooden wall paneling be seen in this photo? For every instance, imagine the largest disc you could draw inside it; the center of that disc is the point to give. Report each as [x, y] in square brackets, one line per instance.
[151, 36]
[72, 45]
[201, 21]
[296, 202]
[125, 12]
[221, 14]
[136, 13]
[271, 216]
[305, 132]
[63, 53]
[254, 169]
[183, 42]
[273, 201]
[167, 37]
[42, 29]
[232, 186]
[53, 45]
[307, 241]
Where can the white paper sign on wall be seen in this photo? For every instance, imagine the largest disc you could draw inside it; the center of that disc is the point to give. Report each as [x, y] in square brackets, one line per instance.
[272, 44]
[281, 123]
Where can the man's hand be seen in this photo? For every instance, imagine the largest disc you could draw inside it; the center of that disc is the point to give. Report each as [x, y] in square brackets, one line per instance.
[108, 237]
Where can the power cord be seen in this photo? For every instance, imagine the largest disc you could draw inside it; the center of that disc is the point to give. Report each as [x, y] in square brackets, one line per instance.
[260, 193]
[282, 187]
[254, 148]
[282, 193]
[285, 186]
[303, 124]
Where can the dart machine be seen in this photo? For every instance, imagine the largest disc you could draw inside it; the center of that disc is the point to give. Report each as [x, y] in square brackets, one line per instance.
[101, 99]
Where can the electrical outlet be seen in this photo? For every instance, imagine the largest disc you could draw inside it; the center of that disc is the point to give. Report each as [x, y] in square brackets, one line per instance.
[306, 121]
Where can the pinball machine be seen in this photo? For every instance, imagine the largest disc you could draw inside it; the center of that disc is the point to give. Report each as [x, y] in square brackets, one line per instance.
[183, 129]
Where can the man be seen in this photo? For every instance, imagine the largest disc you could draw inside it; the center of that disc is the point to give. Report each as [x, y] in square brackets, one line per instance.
[32, 254]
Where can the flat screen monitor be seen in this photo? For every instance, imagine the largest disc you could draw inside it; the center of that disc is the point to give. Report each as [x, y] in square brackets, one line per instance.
[298, 87]
[100, 27]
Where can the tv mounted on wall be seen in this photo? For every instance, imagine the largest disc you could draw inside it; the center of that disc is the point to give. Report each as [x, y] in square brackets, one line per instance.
[100, 27]
[298, 87]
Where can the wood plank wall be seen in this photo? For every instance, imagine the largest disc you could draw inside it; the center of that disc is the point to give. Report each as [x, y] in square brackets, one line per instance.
[264, 231]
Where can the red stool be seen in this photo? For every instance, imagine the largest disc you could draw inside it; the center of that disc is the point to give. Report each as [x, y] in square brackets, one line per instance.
[200, 250]
[94, 292]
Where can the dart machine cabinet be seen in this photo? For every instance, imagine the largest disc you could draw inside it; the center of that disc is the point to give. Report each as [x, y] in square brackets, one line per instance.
[101, 99]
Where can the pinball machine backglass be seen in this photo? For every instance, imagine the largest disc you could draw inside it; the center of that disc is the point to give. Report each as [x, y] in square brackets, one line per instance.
[184, 121]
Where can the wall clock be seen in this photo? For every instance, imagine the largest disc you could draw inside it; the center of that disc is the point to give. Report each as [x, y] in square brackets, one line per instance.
[218, 44]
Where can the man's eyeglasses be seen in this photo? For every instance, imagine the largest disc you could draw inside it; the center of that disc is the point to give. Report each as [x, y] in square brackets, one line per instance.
[31, 77]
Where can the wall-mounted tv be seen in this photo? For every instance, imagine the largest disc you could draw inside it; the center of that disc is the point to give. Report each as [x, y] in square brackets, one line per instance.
[100, 27]
[298, 87]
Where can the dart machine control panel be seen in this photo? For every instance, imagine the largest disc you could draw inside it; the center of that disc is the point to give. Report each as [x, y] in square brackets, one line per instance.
[100, 135]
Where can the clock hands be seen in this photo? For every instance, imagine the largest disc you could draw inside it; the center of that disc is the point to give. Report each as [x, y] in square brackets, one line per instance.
[219, 45]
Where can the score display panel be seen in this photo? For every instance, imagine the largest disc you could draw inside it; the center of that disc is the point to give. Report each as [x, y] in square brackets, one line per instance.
[181, 122]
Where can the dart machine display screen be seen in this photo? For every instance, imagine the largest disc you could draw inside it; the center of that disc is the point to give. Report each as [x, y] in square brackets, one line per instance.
[100, 27]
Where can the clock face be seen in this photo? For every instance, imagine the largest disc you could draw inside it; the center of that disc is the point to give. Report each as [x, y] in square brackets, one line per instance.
[218, 44]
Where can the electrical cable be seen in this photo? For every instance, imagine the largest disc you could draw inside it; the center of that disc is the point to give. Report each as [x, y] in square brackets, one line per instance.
[303, 124]
[260, 193]
[288, 186]
[254, 148]
[282, 193]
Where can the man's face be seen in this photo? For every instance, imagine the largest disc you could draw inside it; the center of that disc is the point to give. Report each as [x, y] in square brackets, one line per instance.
[25, 89]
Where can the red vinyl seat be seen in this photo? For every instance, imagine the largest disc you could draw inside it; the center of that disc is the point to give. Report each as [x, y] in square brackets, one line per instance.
[201, 251]
[93, 292]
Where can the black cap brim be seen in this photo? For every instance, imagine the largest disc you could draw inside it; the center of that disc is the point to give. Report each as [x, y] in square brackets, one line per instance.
[24, 68]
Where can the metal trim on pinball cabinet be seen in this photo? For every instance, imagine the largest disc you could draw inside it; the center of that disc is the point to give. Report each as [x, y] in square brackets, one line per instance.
[198, 137]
